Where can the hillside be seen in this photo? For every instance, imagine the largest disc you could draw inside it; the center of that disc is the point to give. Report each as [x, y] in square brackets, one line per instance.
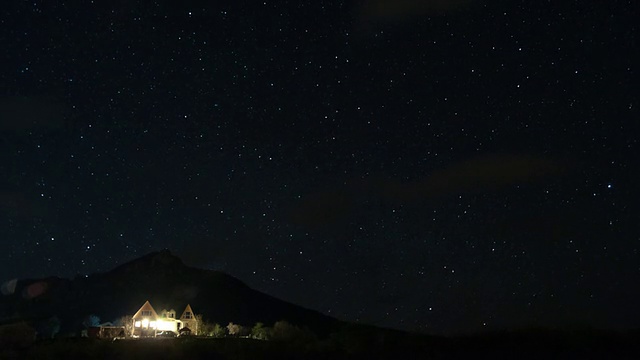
[166, 282]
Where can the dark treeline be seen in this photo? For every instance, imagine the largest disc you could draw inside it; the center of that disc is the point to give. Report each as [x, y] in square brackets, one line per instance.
[287, 341]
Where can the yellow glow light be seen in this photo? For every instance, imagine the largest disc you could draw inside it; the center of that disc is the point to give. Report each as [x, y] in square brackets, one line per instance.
[170, 325]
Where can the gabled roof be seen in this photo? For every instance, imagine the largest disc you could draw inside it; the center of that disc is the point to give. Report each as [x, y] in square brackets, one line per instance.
[187, 309]
[147, 306]
[165, 312]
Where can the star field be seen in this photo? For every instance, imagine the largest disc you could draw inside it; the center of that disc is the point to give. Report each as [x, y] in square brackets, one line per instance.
[437, 166]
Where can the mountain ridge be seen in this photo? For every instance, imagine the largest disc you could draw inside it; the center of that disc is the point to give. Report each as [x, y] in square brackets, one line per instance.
[161, 278]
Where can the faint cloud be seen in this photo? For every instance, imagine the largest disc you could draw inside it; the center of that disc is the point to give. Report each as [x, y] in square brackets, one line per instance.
[549, 225]
[490, 172]
[477, 175]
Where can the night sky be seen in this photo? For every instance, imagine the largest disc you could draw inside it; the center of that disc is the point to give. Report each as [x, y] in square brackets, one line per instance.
[428, 165]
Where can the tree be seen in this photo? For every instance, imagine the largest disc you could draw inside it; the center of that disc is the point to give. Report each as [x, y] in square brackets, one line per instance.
[91, 320]
[205, 329]
[47, 329]
[218, 331]
[200, 325]
[284, 331]
[233, 329]
[260, 332]
[237, 330]
[127, 322]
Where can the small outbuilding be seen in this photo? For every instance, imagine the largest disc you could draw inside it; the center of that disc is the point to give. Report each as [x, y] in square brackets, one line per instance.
[185, 331]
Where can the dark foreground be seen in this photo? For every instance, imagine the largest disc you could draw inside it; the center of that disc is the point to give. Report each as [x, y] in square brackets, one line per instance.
[495, 346]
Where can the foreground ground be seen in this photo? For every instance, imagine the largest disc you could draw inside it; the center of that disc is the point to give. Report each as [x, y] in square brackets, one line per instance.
[359, 346]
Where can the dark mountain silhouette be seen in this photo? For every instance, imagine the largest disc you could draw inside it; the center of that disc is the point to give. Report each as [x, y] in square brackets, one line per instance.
[166, 282]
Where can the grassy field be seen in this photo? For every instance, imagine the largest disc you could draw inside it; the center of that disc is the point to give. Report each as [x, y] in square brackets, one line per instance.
[355, 346]
[172, 348]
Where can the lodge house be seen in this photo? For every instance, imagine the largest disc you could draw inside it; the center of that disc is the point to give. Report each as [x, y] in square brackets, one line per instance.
[148, 323]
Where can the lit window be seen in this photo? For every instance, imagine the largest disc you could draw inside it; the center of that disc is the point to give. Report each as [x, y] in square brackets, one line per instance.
[152, 324]
[137, 324]
[145, 323]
